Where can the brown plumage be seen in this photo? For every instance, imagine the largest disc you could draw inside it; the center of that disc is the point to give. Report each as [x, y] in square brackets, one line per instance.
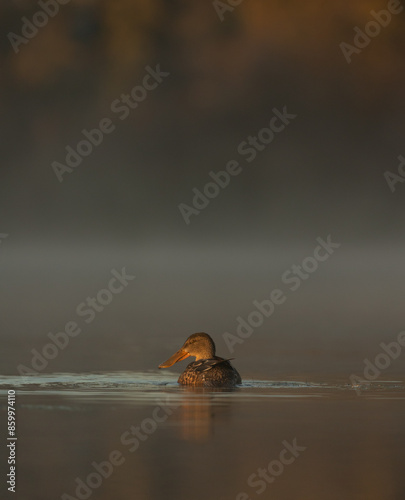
[207, 370]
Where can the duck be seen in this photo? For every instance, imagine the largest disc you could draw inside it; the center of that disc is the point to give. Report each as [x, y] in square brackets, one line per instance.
[208, 370]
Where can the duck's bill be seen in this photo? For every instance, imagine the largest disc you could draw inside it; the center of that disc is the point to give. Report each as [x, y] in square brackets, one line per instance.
[177, 356]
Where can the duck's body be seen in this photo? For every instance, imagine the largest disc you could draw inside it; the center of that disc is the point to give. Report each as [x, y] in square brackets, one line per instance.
[207, 370]
[214, 372]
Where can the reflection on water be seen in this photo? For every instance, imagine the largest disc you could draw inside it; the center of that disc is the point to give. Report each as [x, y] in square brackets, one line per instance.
[199, 411]
[156, 440]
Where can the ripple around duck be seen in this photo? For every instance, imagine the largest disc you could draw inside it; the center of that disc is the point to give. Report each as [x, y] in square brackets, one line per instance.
[146, 387]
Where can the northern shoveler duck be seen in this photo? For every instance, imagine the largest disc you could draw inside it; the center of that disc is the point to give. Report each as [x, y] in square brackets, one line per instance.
[207, 370]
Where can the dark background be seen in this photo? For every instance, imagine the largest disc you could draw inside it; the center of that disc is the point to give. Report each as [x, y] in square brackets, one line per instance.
[323, 175]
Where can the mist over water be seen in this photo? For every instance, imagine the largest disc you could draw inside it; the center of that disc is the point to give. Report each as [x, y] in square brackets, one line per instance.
[325, 324]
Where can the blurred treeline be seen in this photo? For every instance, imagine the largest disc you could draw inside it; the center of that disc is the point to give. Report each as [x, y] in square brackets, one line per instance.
[225, 79]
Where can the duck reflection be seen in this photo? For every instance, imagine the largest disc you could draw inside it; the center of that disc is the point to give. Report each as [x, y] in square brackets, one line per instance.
[200, 409]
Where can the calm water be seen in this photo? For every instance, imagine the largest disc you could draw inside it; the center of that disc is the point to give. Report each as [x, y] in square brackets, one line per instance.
[266, 439]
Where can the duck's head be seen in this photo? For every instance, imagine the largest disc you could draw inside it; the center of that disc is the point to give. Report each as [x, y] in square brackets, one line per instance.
[198, 345]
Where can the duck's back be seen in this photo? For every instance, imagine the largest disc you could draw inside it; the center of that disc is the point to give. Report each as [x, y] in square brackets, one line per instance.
[214, 372]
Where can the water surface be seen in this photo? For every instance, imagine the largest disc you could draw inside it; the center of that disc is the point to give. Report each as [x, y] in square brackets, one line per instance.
[163, 441]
